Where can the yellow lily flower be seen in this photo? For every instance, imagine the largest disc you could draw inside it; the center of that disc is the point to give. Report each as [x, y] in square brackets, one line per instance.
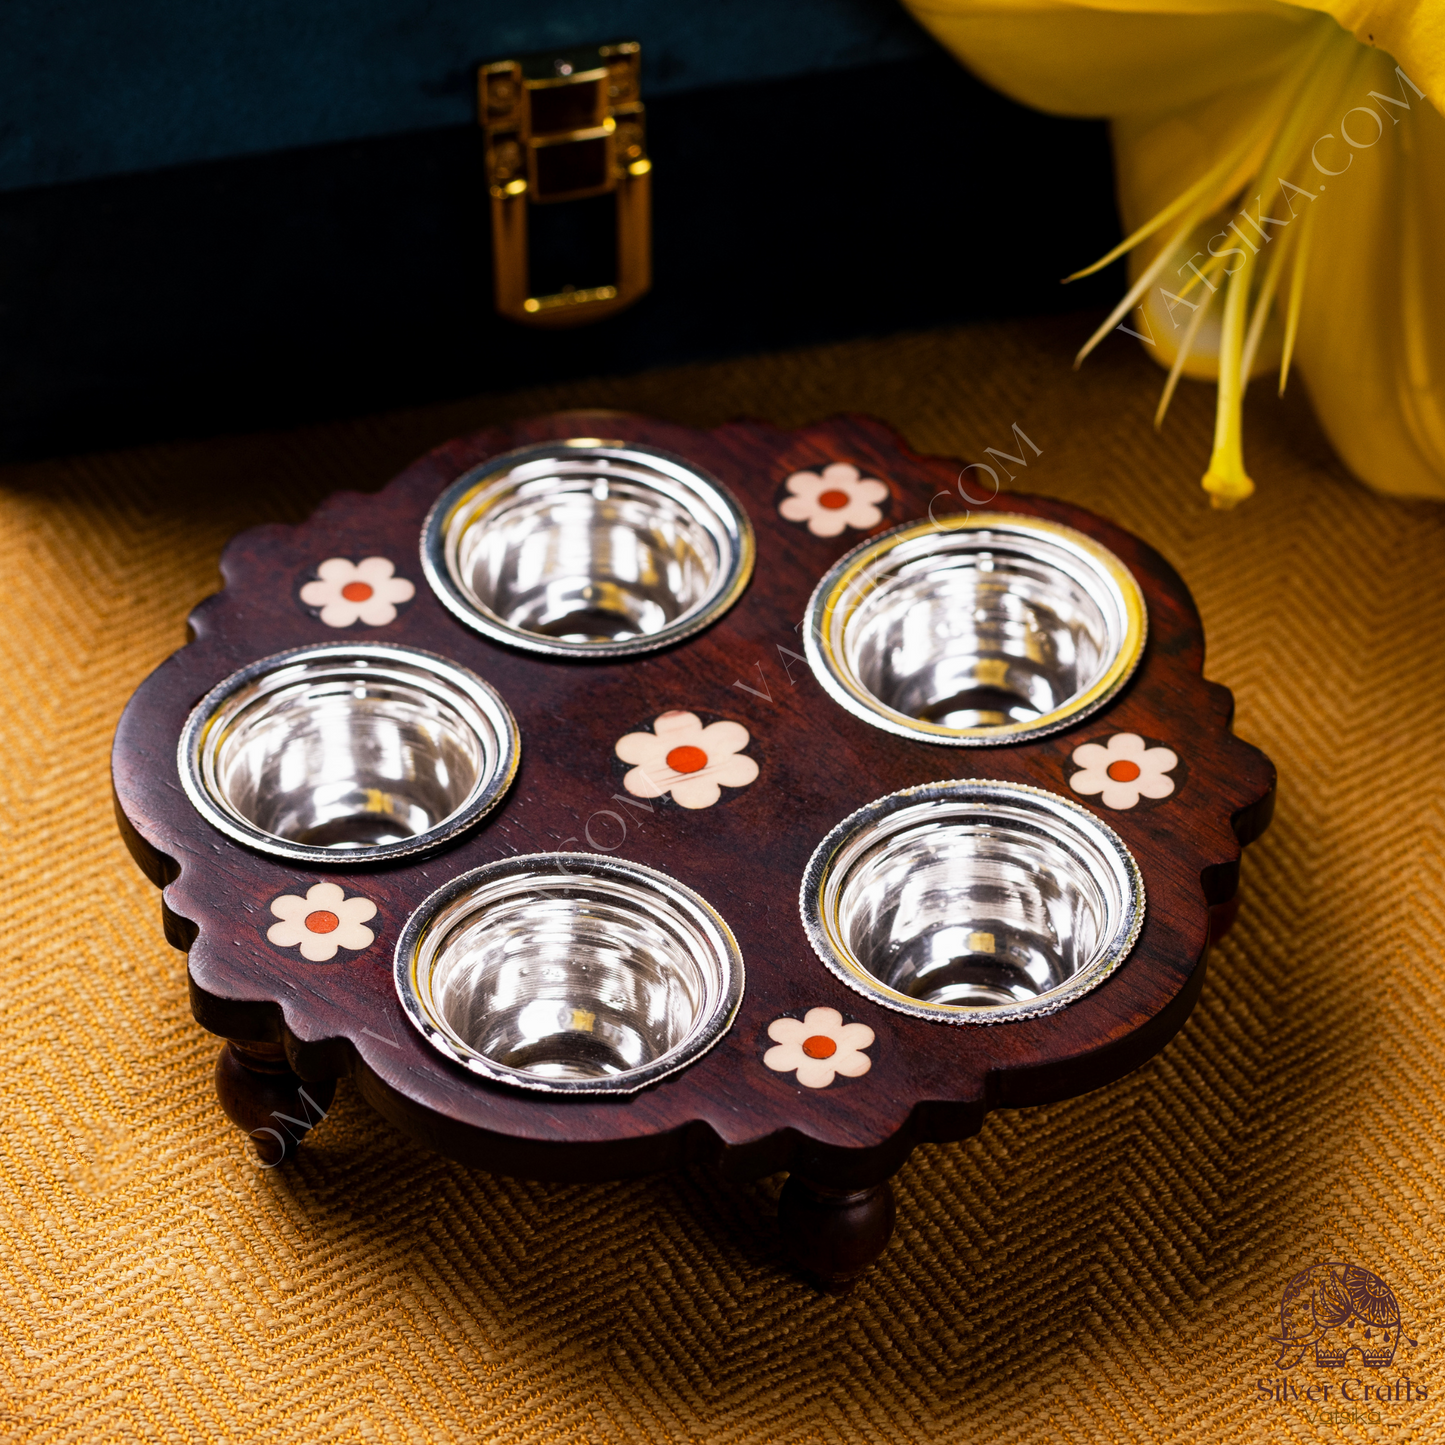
[1281, 176]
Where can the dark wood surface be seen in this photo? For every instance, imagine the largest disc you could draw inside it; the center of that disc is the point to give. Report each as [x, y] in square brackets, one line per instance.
[745, 855]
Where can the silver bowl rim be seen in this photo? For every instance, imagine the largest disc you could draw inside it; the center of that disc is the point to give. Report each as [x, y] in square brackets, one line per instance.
[711, 491]
[841, 961]
[486, 698]
[700, 1039]
[862, 704]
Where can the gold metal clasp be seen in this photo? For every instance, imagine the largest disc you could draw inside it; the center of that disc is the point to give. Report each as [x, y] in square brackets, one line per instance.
[566, 126]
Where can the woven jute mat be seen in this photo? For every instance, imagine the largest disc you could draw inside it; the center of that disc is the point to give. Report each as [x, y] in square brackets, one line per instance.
[1106, 1269]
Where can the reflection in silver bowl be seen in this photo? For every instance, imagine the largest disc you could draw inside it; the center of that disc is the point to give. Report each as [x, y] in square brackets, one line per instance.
[976, 630]
[587, 548]
[348, 753]
[569, 973]
[972, 901]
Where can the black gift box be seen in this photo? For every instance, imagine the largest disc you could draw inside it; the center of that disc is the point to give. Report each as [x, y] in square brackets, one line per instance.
[183, 255]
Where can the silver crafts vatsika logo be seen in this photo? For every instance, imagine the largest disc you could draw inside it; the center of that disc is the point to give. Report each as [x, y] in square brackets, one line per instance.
[1345, 1319]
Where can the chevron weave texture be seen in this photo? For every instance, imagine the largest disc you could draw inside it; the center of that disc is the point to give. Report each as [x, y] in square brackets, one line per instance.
[1107, 1269]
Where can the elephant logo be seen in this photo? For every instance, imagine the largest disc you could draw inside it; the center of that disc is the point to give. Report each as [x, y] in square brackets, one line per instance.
[1342, 1310]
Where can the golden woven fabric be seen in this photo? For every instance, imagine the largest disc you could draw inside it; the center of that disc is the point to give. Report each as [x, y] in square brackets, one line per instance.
[1107, 1269]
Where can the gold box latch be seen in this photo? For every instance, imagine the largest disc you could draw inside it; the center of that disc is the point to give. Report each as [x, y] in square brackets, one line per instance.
[564, 127]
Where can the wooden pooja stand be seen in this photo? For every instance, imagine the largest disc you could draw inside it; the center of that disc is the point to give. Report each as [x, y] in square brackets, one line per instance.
[721, 763]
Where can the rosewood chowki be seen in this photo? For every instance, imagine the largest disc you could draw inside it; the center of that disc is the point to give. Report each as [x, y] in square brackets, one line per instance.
[1029, 922]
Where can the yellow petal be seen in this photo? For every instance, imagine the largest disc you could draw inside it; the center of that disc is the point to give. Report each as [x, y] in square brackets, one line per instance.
[1413, 32]
[1371, 345]
[1189, 82]
[1074, 59]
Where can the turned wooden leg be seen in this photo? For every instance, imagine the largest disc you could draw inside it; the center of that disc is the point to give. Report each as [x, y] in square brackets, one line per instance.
[260, 1094]
[833, 1235]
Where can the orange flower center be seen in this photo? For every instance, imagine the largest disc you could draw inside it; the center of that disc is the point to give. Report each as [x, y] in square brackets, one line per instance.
[820, 1046]
[833, 499]
[322, 921]
[356, 591]
[1123, 771]
[687, 759]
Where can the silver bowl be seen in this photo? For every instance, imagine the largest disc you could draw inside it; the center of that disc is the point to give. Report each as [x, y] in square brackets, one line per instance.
[569, 973]
[976, 630]
[587, 548]
[348, 753]
[972, 901]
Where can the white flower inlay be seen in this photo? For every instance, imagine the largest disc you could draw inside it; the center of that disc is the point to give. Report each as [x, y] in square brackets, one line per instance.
[682, 757]
[839, 498]
[1123, 771]
[325, 920]
[349, 592]
[819, 1046]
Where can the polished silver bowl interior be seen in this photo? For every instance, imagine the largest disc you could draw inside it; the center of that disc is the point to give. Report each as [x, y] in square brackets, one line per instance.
[985, 630]
[355, 753]
[569, 973]
[587, 547]
[973, 901]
